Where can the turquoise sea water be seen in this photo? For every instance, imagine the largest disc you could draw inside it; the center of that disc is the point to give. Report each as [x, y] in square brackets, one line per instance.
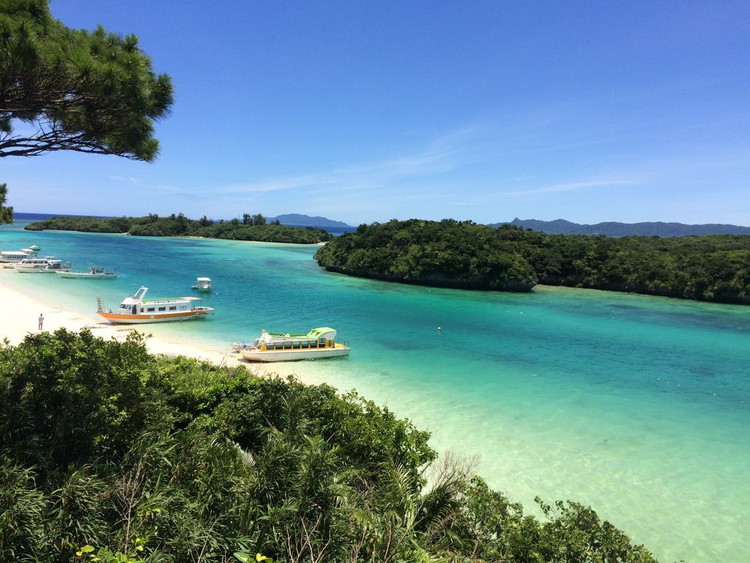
[637, 406]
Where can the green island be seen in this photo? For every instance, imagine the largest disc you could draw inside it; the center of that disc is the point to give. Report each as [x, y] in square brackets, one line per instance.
[109, 453]
[462, 254]
[249, 228]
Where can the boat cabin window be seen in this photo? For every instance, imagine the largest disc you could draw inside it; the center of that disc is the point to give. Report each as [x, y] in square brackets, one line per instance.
[173, 308]
[150, 309]
[162, 308]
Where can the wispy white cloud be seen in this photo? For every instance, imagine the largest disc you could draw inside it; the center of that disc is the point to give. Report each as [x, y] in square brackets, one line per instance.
[128, 180]
[143, 185]
[573, 186]
[442, 155]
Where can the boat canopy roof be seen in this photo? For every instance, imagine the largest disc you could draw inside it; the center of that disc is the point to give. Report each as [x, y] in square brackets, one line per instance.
[321, 332]
[315, 334]
[139, 296]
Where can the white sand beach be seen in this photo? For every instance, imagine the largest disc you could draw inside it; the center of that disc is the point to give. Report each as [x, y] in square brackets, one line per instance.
[21, 317]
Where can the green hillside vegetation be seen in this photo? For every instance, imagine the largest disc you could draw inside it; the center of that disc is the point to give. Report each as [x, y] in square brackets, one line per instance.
[466, 255]
[110, 454]
[450, 253]
[250, 228]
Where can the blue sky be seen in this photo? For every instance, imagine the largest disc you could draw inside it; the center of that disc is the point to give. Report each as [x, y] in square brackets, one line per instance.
[366, 111]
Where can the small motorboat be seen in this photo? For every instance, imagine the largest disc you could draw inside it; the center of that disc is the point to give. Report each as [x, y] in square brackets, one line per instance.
[94, 273]
[202, 284]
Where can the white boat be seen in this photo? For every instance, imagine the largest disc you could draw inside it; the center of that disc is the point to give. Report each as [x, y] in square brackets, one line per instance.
[15, 256]
[136, 309]
[202, 284]
[94, 273]
[46, 265]
[284, 347]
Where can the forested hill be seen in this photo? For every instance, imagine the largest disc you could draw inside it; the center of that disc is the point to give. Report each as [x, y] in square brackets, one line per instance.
[615, 229]
[250, 228]
[466, 255]
[445, 254]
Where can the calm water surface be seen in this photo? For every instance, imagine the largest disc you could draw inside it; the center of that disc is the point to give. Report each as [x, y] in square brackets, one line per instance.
[637, 406]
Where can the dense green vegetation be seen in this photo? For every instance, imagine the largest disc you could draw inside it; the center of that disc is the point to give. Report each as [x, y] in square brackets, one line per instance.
[449, 254]
[463, 254]
[250, 227]
[110, 454]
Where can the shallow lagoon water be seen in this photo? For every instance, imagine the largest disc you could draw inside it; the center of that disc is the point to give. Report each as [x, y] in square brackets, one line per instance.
[635, 405]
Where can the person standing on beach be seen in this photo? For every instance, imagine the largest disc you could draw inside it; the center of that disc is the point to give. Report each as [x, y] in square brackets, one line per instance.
[41, 320]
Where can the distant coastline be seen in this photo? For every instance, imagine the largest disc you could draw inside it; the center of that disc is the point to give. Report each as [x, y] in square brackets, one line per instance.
[42, 216]
[556, 227]
[332, 227]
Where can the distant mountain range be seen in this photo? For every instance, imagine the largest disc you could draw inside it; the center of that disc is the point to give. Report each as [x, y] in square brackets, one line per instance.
[297, 220]
[560, 227]
[614, 229]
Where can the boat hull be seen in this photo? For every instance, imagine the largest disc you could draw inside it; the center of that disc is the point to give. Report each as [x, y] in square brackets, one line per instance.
[116, 318]
[85, 276]
[338, 350]
[38, 271]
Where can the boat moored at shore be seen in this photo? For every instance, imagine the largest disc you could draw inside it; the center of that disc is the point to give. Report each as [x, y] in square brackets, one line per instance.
[94, 273]
[136, 309]
[285, 347]
[36, 265]
[11, 257]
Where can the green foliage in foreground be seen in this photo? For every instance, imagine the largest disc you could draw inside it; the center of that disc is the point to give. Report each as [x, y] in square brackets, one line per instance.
[110, 454]
[466, 255]
[250, 228]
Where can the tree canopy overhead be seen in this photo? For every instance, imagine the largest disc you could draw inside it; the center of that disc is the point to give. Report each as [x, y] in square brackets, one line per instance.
[66, 89]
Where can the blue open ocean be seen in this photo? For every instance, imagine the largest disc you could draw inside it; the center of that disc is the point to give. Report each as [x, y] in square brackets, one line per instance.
[637, 406]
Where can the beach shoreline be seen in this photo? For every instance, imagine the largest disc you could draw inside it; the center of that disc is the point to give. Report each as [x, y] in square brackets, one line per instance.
[21, 319]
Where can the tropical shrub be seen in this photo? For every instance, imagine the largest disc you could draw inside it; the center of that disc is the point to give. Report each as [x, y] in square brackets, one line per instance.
[110, 454]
